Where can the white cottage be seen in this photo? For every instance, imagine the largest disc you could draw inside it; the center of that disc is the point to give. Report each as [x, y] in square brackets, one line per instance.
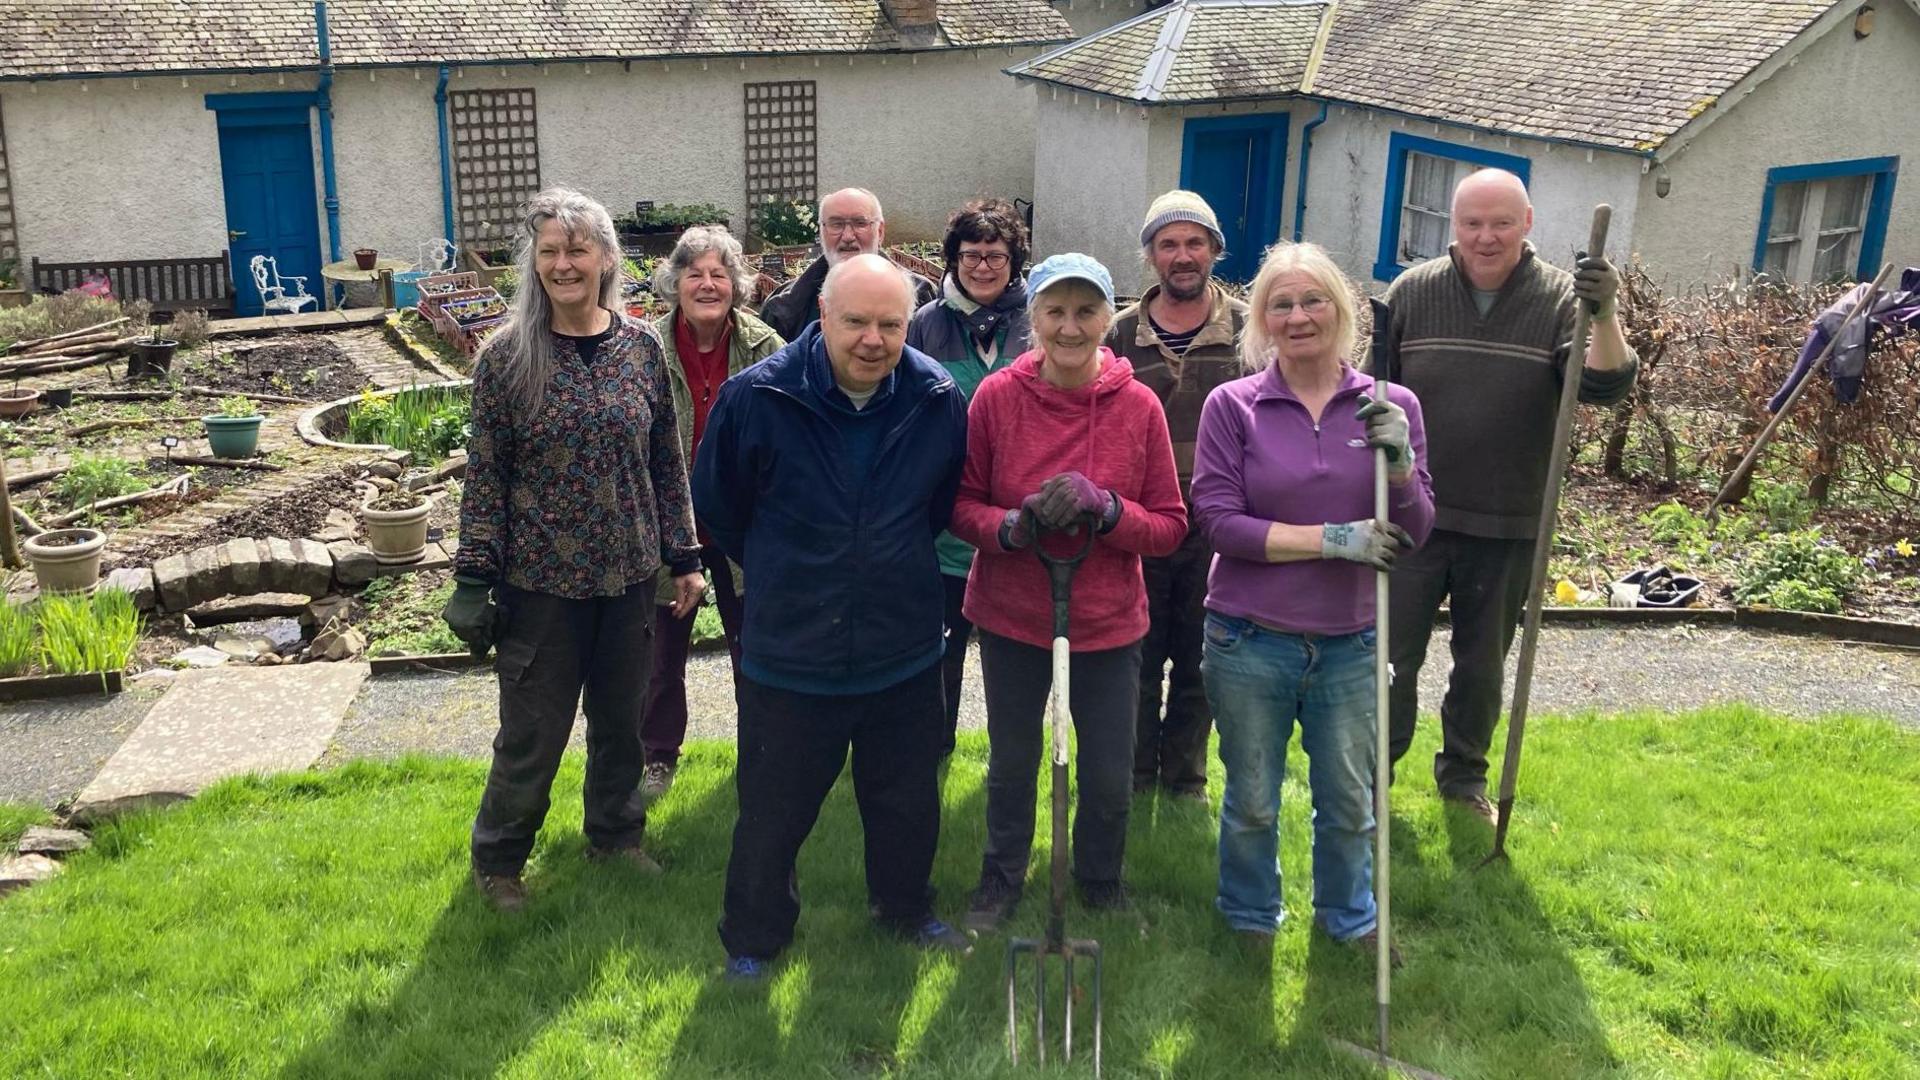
[1729, 138]
[166, 129]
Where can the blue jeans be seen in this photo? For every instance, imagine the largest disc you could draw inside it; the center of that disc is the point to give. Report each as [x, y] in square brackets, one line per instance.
[1259, 682]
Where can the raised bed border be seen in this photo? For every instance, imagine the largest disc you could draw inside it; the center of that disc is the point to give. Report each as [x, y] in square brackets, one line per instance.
[440, 662]
[35, 687]
[1804, 623]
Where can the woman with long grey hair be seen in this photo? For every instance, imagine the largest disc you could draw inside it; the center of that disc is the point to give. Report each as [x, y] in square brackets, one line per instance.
[576, 497]
[709, 338]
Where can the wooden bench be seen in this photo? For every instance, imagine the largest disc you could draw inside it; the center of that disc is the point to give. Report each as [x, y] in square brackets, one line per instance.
[167, 284]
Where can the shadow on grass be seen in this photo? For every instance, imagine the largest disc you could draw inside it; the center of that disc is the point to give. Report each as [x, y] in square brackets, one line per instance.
[485, 986]
[1487, 990]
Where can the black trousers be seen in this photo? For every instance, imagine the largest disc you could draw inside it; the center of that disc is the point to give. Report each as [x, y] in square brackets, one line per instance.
[793, 747]
[953, 664]
[551, 650]
[1102, 693]
[1171, 749]
[1484, 581]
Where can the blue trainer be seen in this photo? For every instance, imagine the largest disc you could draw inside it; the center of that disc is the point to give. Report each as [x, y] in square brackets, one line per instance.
[934, 934]
[746, 969]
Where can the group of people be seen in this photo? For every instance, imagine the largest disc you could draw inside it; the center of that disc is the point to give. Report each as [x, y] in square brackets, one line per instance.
[860, 475]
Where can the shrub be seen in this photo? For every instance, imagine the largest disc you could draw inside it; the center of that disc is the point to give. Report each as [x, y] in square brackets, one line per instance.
[92, 479]
[81, 634]
[191, 329]
[784, 223]
[45, 316]
[428, 423]
[1799, 570]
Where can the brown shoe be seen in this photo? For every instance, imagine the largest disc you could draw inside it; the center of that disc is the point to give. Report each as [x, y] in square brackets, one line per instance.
[504, 893]
[656, 778]
[1369, 943]
[1475, 803]
[633, 856]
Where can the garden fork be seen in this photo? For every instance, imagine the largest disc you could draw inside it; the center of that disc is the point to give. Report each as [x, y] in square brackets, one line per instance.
[1060, 571]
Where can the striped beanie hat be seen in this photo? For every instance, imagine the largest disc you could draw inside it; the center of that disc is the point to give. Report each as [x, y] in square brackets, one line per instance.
[1180, 205]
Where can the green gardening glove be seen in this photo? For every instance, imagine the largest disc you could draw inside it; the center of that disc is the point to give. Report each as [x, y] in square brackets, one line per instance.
[470, 614]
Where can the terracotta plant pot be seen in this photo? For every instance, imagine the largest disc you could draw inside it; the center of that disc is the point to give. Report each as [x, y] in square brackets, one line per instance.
[66, 560]
[364, 258]
[233, 436]
[397, 536]
[16, 403]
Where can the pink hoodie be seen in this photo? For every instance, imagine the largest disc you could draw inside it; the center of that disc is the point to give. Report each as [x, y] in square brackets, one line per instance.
[1022, 430]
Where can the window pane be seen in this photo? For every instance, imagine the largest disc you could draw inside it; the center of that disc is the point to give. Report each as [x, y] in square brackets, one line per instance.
[1846, 202]
[1788, 201]
[1423, 235]
[1780, 256]
[1835, 256]
[1429, 182]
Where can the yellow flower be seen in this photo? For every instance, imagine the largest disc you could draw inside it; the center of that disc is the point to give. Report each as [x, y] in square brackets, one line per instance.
[1904, 548]
[1566, 592]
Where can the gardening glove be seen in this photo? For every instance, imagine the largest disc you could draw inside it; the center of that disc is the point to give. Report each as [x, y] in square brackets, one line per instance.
[470, 614]
[1017, 528]
[1597, 282]
[1364, 541]
[1387, 429]
[1067, 496]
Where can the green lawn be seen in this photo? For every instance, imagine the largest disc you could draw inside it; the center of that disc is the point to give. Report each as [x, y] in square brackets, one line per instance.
[1719, 894]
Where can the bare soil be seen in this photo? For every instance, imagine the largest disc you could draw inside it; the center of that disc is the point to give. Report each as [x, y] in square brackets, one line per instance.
[307, 366]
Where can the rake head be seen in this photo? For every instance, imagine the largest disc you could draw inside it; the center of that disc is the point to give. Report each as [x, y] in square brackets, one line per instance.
[1040, 949]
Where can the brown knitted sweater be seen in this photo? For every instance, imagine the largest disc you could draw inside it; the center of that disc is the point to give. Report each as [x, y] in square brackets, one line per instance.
[1489, 387]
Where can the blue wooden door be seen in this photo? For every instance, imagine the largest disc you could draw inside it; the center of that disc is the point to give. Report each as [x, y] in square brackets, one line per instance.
[267, 171]
[1238, 164]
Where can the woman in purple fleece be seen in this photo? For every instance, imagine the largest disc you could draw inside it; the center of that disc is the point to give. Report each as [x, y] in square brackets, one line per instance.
[1283, 486]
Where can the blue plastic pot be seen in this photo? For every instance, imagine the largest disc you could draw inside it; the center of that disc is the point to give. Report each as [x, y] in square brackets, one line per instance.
[233, 436]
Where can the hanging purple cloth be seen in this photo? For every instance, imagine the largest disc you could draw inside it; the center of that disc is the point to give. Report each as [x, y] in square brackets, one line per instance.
[1895, 311]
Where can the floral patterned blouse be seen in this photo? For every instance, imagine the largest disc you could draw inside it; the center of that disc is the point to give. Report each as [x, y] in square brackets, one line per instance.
[587, 496]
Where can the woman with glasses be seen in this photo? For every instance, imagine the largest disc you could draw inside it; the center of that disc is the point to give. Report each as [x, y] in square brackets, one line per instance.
[1283, 481]
[976, 327]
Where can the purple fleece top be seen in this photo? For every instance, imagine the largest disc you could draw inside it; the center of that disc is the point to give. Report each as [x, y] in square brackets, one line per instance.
[1261, 458]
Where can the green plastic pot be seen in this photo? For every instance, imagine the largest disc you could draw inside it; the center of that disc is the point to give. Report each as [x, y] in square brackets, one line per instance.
[233, 436]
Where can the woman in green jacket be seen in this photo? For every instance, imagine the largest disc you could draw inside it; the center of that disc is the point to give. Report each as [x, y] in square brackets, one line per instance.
[708, 338]
[975, 327]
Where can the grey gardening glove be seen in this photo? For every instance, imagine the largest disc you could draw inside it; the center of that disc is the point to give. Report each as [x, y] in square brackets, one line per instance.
[1387, 429]
[1364, 541]
[470, 613]
[1597, 282]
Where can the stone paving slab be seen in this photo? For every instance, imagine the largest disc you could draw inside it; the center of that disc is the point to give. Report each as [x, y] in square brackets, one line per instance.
[224, 722]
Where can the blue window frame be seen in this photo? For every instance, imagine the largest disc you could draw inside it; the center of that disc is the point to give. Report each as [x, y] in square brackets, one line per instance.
[1414, 214]
[1825, 221]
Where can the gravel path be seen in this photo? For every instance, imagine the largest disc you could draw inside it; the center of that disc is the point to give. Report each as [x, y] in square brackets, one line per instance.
[1610, 669]
[50, 749]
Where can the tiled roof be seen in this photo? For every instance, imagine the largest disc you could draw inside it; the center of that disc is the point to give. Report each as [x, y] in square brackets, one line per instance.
[1625, 74]
[77, 37]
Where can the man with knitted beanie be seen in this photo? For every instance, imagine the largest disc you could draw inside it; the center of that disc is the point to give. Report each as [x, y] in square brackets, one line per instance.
[1183, 340]
[1481, 336]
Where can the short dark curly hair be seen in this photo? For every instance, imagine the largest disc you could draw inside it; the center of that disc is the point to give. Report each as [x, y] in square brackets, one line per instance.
[982, 221]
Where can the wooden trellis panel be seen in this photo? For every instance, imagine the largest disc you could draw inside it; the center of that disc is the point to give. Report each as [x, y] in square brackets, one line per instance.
[9, 237]
[496, 163]
[782, 146]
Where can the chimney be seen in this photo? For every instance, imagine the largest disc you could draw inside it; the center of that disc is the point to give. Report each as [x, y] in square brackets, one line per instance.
[916, 21]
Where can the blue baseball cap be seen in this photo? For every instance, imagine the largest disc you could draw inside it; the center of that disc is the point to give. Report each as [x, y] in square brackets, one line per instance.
[1068, 266]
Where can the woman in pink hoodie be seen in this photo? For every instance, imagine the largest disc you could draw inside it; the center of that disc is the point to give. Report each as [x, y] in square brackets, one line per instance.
[1062, 433]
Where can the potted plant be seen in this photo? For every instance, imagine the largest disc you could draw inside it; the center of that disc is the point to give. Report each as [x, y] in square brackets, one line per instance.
[66, 560]
[15, 403]
[364, 258]
[151, 353]
[396, 525]
[234, 431]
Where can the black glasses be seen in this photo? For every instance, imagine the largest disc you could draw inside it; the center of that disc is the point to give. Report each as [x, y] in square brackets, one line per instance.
[994, 260]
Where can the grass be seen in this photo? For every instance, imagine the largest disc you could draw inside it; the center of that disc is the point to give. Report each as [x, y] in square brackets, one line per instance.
[16, 818]
[16, 639]
[1716, 894]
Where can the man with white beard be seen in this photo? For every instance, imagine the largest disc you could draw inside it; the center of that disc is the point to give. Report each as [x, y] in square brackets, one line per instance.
[851, 223]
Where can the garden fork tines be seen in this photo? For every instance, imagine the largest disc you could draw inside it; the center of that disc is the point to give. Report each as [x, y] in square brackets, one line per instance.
[1060, 571]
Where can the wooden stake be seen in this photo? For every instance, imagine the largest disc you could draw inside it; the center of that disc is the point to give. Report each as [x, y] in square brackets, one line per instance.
[9, 547]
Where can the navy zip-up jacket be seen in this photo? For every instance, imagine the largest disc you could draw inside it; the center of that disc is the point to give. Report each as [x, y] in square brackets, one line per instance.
[831, 512]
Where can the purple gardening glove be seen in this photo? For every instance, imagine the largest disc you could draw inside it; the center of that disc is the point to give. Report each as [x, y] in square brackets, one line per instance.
[1017, 528]
[1067, 496]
